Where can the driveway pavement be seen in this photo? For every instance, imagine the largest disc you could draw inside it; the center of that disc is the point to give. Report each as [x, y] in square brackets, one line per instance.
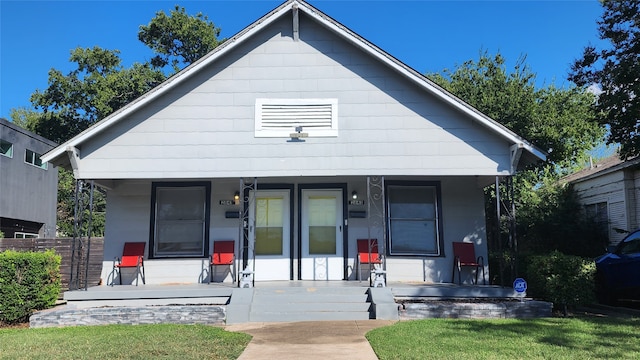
[309, 340]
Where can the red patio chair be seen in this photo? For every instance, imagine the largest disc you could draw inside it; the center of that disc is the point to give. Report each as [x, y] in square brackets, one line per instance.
[464, 255]
[223, 254]
[132, 257]
[367, 254]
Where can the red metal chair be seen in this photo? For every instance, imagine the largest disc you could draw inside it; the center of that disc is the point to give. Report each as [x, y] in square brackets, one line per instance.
[223, 254]
[132, 257]
[464, 255]
[367, 254]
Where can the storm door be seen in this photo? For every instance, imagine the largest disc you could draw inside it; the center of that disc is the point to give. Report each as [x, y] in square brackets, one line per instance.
[269, 234]
[322, 253]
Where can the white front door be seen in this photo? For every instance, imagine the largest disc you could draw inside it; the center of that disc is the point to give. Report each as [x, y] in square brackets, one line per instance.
[269, 234]
[321, 235]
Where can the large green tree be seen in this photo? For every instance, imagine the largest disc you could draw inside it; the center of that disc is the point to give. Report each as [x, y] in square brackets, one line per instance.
[179, 39]
[99, 85]
[615, 69]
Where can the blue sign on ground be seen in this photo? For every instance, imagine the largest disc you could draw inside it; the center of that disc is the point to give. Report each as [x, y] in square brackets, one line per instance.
[519, 285]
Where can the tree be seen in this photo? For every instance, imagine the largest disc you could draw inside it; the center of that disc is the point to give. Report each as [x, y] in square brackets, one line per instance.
[96, 88]
[616, 71]
[24, 117]
[179, 39]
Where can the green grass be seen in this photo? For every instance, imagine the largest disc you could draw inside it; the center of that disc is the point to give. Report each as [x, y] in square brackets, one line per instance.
[122, 342]
[548, 338]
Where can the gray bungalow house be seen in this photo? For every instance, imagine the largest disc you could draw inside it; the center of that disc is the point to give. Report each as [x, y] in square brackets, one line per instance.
[323, 137]
[28, 186]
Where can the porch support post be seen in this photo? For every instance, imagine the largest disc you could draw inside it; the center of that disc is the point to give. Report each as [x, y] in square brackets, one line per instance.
[498, 232]
[82, 229]
[512, 224]
[376, 224]
[247, 251]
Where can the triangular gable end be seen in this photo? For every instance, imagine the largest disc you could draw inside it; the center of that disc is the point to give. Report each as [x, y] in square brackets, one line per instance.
[522, 151]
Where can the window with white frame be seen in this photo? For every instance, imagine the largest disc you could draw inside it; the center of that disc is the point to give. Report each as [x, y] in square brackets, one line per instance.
[413, 218]
[6, 148]
[284, 117]
[33, 158]
[180, 219]
[24, 235]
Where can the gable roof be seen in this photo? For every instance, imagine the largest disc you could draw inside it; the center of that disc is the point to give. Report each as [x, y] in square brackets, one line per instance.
[530, 154]
[602, 167]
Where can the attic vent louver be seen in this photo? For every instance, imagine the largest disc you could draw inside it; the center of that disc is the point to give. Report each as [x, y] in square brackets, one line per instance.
[281, 117]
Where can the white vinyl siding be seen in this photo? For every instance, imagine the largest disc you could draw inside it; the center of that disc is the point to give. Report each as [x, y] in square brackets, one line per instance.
[282, 117]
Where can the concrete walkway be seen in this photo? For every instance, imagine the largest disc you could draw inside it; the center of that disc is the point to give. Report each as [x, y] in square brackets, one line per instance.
[309, 340]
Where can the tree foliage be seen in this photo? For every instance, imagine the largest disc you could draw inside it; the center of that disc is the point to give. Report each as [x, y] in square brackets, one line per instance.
[559, 121]
[616, 71]
[179, 39]
[97, 87]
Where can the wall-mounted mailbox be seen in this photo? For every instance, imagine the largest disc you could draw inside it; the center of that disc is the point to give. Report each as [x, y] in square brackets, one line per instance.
[232, 214]
[358, 214]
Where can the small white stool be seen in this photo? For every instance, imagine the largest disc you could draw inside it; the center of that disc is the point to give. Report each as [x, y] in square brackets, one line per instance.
[378, 277]
[246, 278]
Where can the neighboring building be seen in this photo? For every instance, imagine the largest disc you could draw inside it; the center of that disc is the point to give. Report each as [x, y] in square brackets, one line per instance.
[28, 186]
[609, 190]
[306, 113]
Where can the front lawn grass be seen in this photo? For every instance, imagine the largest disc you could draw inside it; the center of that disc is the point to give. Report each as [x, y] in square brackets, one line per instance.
[547, 338]
[122, 342]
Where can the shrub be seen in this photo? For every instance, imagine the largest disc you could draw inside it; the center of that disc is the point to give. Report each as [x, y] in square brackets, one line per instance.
[28, 281]
[565, 280]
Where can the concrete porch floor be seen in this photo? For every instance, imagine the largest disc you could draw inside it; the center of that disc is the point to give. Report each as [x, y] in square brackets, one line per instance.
[219, 293]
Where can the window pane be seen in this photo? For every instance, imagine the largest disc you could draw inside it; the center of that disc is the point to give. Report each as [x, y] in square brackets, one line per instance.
[180, 221]
[322, 225]
[180, 203]
[269, 222]
[412, 202]
[413, 237]
[6, 148]
[180, 238]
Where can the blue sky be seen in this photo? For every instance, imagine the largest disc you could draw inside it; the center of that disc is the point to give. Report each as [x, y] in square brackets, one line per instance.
[428, 35]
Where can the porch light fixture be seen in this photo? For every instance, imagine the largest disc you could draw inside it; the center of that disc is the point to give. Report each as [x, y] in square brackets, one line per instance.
[354, 195]
[236, 197]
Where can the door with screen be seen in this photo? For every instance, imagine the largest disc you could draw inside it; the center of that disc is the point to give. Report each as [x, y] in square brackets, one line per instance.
[269, 234]
[321, 240]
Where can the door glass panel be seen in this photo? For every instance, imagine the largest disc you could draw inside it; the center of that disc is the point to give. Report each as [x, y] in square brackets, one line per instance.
[322, 225]
[269, 226]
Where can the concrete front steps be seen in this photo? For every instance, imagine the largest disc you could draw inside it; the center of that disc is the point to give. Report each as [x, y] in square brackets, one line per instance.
[290, 304]
[309, 304]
